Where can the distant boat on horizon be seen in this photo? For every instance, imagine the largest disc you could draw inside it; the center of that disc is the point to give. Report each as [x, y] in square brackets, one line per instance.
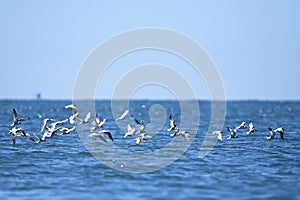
[38, 95]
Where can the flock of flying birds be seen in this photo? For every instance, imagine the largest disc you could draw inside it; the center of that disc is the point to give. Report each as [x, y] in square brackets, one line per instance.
[51, 126]
[251, 130]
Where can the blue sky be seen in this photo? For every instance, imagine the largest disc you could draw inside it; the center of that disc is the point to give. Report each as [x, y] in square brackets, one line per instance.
[254, 44]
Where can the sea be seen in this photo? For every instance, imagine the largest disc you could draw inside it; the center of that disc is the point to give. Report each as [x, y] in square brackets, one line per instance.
[75, 166]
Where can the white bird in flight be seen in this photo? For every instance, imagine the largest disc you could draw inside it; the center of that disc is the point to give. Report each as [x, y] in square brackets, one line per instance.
[86, 118]
[219, 134]
[16, 119]
[49, 132]
[130, 131]
[123, 116]
[141, 126]
[72, 107]
[281, 131]
[186, 135]
[172, 123]
[97, 123]
[251, 128]
[232, 133]
[102, 135]
[140, 139]
[272, 134]
[19, 132]
[106, 132]
[72, 118]
[44, 123]
[98, 135]
[242, 126]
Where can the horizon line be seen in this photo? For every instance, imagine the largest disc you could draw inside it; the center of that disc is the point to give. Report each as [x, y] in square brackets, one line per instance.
[148, 99]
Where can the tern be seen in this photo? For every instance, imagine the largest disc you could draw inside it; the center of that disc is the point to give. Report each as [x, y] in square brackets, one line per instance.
[124, 115]
[86, 118]
[146, 135]
[130, 131]
[102, 135]
[72, 118]
[281, 131]
[16, 132]
[98, 135]
[19, 132]
[219, 134]
[45, 122]
[97, 123]
[16, 119]
[140, 139]
[72, 107]
[232, 133]
[251, 128]
[50, 131]
[105, 132]
[186, 135]
[242, 126]
[272, 134]
[141, 126]
[172, 123]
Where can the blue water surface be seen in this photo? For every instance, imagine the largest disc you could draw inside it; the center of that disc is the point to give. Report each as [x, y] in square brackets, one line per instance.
[249, 167]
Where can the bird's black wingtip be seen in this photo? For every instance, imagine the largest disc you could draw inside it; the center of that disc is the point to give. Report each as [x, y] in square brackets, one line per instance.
[110, 136]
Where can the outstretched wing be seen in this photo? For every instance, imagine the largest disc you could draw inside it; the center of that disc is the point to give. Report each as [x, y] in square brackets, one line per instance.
[30, 137]
[108, 134]
[15, 115]
[87, 117]
[241, 126]
[24, 118]
[281, 135]
[138, 122]
[130, 128]
[172, 121]
[20, 130]
[44, 124]
[72, 107]
[251, 127]
[97, 119]
[220, 136]
[102, 138]
[102, 123]
[281, 131]
[124, 114]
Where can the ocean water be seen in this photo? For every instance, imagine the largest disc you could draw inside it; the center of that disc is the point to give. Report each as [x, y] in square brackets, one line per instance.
[249, 167]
